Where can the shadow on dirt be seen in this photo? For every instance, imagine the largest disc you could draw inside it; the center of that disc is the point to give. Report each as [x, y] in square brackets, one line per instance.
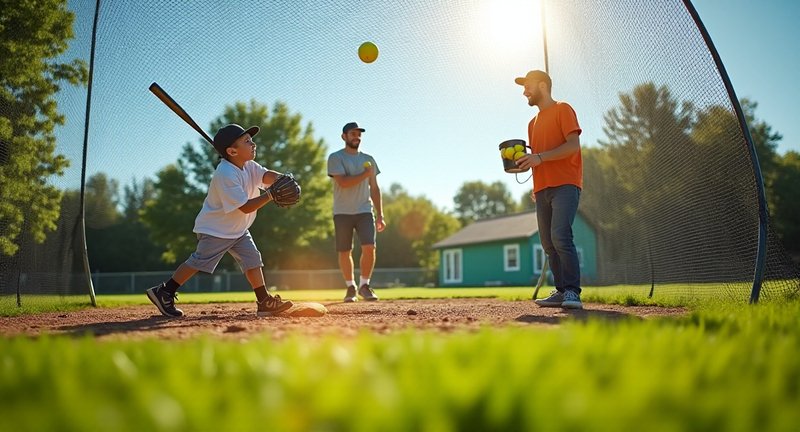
[150, 324]
[583, 315]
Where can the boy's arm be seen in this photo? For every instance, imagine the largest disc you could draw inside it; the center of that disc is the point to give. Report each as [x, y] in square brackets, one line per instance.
[256, 203]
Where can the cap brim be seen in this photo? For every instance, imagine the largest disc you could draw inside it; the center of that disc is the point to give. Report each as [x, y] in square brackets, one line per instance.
[520, 81]
[253, 131]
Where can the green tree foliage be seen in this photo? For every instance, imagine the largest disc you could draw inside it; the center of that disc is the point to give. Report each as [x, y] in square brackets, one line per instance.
[33, 36]
[284, 145]
[101, 198]
[414, 225]
[117, 240]
[478, 200]
[633, 177]
[786, 200]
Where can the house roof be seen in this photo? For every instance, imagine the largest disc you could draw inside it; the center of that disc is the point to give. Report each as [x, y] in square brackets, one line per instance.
[519, 225]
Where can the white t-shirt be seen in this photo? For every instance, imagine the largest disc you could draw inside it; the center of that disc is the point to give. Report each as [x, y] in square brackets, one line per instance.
[230, 189]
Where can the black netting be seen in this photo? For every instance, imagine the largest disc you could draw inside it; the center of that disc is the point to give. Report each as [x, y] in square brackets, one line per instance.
[42, 119]
[668, 180]
[669, 183]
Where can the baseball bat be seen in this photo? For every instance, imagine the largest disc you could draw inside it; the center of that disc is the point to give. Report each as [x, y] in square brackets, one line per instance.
[542, 278]
[177, 109]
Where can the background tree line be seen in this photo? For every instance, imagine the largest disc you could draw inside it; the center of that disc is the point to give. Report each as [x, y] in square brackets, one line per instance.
[147, 225]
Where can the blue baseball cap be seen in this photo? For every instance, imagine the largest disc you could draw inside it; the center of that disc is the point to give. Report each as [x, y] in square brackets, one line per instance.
[350, 126]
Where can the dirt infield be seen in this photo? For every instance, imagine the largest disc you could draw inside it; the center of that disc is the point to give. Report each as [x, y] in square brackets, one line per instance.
[238, 320]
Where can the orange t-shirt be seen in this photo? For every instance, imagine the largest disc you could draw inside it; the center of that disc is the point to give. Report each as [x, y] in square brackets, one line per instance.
[546, 131]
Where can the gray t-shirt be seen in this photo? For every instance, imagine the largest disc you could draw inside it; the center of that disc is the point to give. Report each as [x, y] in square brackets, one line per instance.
[355, 199]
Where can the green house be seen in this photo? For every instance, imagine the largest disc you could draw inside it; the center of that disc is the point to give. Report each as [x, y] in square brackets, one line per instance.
[506, 251]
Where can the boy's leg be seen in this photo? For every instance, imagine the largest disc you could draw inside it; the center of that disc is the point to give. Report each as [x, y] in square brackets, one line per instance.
[163, 296]
[249, 258]
[205, 258]
[268, 304]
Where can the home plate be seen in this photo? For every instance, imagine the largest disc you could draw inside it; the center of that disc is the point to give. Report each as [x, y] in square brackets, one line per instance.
[305, 310]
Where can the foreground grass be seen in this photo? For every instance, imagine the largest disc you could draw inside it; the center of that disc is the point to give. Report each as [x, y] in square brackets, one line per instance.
[722, 367]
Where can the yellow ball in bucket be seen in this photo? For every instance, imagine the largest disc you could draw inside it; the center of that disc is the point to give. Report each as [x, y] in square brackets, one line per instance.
[509, 153]
[368, 52]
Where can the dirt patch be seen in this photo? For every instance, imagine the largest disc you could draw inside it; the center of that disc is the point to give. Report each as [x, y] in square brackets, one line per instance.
[238, 320]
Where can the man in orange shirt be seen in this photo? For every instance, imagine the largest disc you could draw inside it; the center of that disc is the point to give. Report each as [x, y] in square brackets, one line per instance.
[555, 157]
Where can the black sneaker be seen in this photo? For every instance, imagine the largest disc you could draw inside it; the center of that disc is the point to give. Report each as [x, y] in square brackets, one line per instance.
[555, 299]
[366, 293]
[272, 305]
[164, 300]
[350, 296]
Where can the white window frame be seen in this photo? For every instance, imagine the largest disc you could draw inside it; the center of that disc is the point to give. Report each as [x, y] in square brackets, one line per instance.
[538, 258]
[453, 261]
[506, 252]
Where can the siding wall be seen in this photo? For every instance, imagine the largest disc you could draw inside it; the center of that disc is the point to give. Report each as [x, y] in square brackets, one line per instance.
[483, 264]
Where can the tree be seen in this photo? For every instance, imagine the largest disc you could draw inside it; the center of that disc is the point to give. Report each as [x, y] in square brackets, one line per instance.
[118, 241]
[786, 198]
[414, 225]
[33, 36]
[101, 197]
[478, 200]
[284, 145]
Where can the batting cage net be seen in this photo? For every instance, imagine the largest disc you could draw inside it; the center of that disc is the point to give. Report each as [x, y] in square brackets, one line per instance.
[670, 187]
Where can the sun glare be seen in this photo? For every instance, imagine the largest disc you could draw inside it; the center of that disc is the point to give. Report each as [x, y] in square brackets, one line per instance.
[511, 25]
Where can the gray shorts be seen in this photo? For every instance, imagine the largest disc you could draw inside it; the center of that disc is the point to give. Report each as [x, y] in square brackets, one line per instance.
[344, 225]
[210, 250]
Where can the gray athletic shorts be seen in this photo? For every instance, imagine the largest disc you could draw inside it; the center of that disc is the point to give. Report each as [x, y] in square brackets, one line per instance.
[344, 225]
[210, 250]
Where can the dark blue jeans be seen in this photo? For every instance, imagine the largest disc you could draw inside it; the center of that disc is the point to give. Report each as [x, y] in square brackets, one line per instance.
[555, 211]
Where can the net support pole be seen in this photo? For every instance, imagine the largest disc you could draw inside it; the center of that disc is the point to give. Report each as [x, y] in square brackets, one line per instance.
[544, 36]
[547, 71]
[84, 250]
[763, 213]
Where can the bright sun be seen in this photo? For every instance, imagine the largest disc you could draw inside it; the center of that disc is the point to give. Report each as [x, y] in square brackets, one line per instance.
[512, 24]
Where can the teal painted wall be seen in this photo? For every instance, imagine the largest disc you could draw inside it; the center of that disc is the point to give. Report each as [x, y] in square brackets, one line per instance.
[483, 264]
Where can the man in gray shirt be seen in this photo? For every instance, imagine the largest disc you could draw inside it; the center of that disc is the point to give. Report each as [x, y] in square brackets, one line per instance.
[355, 193]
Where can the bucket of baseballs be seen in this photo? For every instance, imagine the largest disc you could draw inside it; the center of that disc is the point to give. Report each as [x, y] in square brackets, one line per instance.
[510, 151]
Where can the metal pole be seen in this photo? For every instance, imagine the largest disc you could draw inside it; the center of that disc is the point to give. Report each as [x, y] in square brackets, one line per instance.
[86, 267]
[763, 212]
[544, 37]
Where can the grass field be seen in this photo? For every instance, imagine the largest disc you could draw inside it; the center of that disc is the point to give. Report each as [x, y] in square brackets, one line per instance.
[721, 367]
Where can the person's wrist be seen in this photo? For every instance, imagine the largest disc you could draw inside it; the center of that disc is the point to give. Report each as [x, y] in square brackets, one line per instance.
[541, 159]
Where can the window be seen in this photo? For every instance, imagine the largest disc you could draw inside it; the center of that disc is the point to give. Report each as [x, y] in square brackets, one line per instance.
[511, 257]
[452, 266]
[538, 258]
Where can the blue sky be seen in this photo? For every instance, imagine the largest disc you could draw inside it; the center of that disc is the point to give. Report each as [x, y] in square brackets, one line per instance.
[757, 41]
[435, 104]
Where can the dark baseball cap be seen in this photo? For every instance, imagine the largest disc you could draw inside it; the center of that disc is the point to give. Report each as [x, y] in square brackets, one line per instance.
[534, 75]
[228, 134]
[350, 126]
